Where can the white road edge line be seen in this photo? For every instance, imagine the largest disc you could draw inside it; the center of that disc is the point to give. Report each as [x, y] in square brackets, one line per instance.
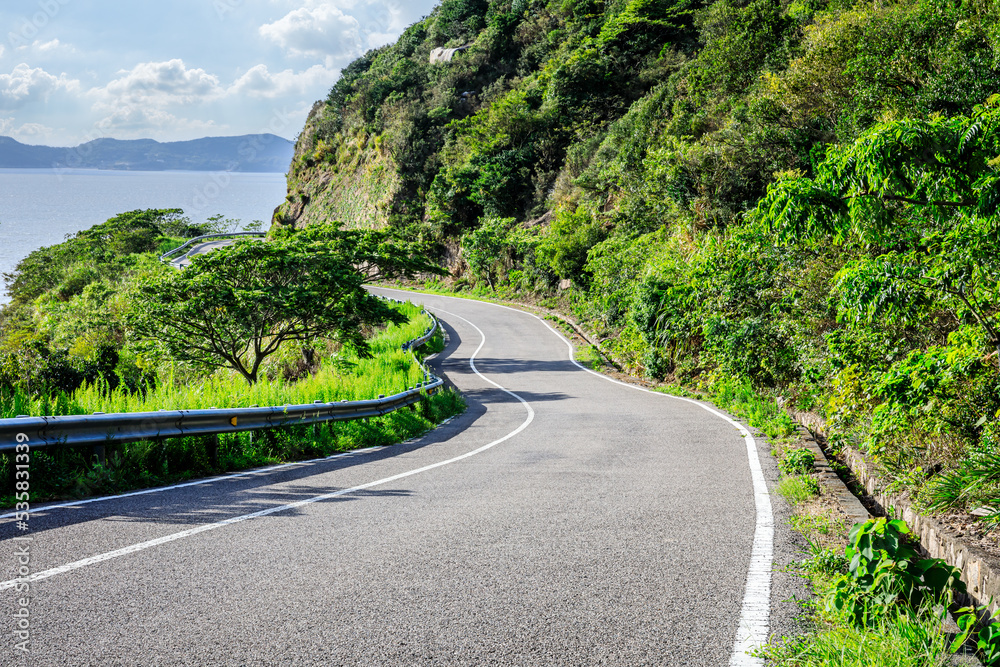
[198, 482]
[756, 610]
[142, 546]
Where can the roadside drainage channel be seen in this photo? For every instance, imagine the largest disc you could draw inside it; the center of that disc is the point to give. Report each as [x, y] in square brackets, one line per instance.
[980, 570]
[832, 484]
[976, 573]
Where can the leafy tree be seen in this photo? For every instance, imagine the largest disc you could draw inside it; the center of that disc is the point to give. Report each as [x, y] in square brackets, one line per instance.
[236, 306]
[487, 249]
[570, 238]
[375, 254]
[920, 197]
[102, 249]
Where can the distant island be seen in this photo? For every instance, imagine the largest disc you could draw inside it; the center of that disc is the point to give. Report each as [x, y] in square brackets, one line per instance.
[247, 153]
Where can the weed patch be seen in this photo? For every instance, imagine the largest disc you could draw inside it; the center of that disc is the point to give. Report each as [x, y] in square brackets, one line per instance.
[798, 488]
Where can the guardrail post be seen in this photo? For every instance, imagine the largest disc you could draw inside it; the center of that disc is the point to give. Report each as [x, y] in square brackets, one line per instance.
[161, 451]
[11, 478]
[98, 454]
[213, 451]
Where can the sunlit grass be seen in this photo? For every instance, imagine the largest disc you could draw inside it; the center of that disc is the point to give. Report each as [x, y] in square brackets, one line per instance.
[389, 371]
[898, 639]
[73, 472]
[798, 488]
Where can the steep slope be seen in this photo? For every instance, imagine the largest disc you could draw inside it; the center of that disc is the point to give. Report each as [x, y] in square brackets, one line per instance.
[488, 131]
[797, 196]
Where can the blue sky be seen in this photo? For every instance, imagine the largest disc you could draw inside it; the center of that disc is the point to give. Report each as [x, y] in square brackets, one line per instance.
[76, 70]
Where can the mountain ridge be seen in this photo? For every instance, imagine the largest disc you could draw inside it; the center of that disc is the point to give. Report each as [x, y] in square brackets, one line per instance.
[245, 153]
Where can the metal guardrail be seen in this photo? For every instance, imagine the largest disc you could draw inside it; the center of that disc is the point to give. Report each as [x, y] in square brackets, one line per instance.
[102, 429]
[198, 239]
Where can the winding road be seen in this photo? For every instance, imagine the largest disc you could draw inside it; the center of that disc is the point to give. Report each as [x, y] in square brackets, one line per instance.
[564, 519]
[200, 249]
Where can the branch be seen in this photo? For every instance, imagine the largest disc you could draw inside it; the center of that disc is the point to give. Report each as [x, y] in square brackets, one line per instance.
[909, 200]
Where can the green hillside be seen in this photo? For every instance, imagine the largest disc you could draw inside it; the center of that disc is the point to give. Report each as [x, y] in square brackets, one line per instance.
[796, 196]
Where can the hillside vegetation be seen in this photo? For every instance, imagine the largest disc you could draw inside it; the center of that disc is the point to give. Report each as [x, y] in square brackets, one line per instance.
[797, 196]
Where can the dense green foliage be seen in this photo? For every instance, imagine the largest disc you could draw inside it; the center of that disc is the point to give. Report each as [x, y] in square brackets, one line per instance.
[796, 197]
[238, 305]
[64, 325]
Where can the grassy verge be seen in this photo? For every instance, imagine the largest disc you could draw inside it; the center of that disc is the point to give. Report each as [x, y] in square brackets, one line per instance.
[390, 370]
[877, 603]
[72, 473]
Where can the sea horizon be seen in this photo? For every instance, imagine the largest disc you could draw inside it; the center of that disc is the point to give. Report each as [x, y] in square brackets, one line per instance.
[40, 207]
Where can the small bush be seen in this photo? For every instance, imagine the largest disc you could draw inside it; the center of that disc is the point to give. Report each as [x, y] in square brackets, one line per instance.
[886, 573]
[797, 461]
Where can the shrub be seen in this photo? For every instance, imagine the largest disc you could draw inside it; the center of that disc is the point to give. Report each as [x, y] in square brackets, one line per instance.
[885, 573]
[798, 461]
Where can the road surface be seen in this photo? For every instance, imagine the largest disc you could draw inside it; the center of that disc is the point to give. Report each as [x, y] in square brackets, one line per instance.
[564, 519]
[200, 249]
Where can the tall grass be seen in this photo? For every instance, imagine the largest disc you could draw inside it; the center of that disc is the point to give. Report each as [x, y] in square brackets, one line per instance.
[899, 639]
[390, 371]
[739, 398]
[798, 488]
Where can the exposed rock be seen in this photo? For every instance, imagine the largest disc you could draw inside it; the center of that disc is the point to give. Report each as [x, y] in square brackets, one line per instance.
[543, 219]
[440, 56]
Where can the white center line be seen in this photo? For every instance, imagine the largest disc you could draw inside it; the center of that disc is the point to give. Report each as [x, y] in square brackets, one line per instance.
[142, 546]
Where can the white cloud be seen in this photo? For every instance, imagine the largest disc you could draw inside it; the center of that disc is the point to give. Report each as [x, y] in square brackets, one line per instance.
[27, 132]
[319, 30]
[33, 131]
[339, 30]
[169, 82]
[136, 103]
[52, 46]
[129, 121]
[26, 84]
[259, 82]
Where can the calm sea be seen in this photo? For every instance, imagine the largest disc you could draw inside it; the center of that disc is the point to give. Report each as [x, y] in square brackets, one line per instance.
[39, 207]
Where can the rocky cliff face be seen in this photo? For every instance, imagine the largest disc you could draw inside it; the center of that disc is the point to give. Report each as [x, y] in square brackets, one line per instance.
[351, 180]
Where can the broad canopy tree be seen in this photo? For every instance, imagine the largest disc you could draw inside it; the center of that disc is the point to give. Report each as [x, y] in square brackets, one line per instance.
[919, 199]
[237, 305]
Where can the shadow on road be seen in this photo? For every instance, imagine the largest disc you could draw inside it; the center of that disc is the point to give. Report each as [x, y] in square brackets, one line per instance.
[487, 366]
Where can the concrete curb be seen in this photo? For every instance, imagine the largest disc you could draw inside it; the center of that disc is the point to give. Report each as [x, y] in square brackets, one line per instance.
[831, 482]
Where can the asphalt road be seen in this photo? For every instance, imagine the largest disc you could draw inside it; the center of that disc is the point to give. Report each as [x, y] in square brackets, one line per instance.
[200, 249]
[567, 520]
